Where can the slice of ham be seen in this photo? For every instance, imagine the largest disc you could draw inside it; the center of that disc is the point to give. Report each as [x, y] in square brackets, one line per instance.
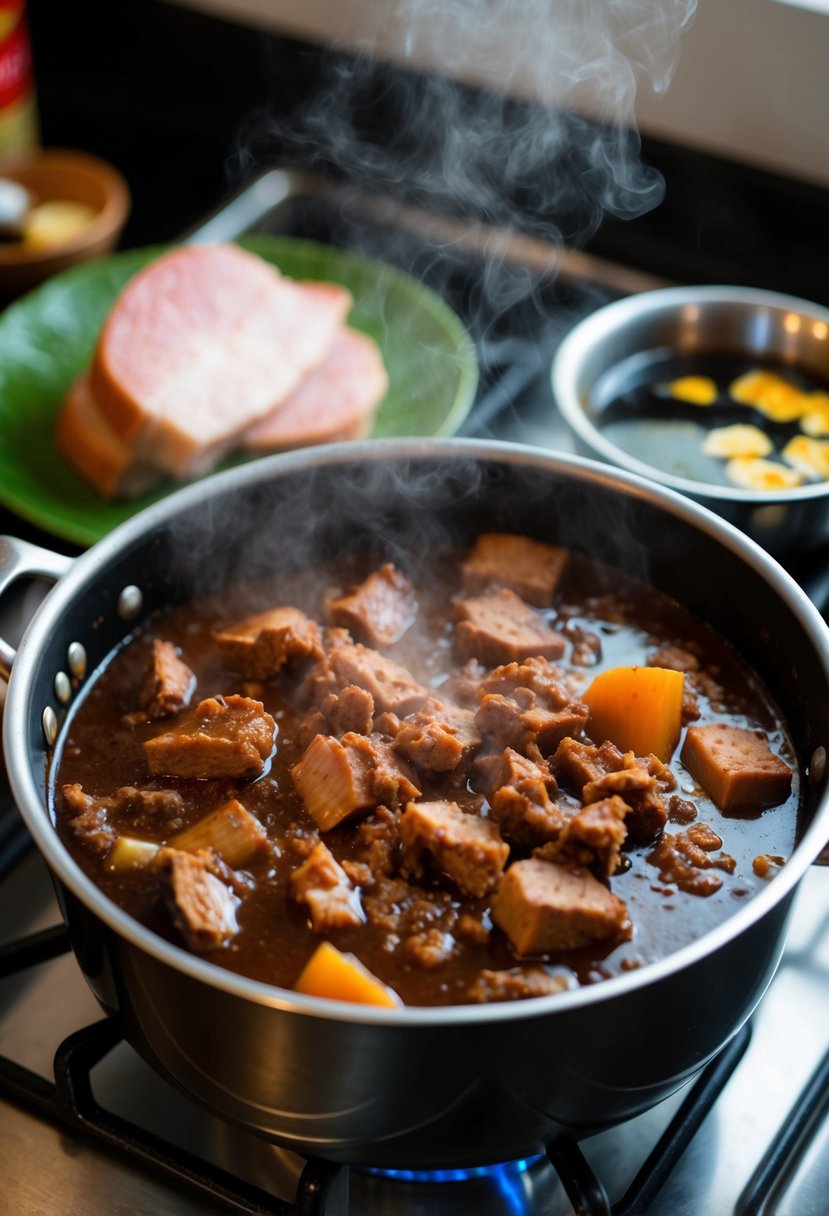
[200, 345]
[337, 400]
[88, 442]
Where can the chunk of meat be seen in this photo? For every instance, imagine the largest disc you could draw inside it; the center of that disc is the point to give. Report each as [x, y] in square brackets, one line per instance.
[592, 837]
[392, 687]
[578, 763]
[323, 885]
[543, 907]
[437, 737]
[640, 790]
[336, 778]
[525, 704]
[528, 567]
[167, 687]
[463, 686]
[429, 949]
[736, 767]
[380, 610]
[500, 628]
[466, 847]
[378, 842]
[518, 984]
[98, 820]
[349, 710]
[681, 859]
[520, 800]
[221, 737]
[260, 646]
[202, 906]
[601, 772]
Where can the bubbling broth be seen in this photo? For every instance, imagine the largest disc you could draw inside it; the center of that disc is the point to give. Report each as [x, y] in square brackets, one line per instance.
[516, 772]
[722, 419]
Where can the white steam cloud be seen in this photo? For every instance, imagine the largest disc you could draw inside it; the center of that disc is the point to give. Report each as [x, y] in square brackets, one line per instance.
[513, 107]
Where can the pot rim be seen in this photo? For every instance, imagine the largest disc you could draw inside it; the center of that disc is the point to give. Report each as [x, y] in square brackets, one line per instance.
[86, 569]
[614, 318]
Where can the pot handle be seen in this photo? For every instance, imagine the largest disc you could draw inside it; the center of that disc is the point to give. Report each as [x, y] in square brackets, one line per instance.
[20, 559]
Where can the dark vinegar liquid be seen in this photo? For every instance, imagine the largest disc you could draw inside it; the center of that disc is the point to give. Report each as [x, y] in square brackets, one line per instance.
[634, 409]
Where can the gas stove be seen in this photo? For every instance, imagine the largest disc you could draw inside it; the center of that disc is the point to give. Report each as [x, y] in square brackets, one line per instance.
[89, 1128]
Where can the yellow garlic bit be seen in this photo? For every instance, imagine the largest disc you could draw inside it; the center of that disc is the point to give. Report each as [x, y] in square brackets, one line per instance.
[815, 420]
[741, 439]
[696, 390]
[769, 393]
[754, 473]
[55, 223]
[810, 456]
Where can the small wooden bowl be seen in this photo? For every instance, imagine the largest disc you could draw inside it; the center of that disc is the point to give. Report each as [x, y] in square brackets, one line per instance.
[73, 177]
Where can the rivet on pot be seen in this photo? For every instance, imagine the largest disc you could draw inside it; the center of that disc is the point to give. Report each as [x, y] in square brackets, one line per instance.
[76, 659]
[50, 725]
[130, 603]
[63, 687]
[817, 768]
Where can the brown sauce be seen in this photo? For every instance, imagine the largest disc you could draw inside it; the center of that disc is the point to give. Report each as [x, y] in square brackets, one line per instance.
[275, 937]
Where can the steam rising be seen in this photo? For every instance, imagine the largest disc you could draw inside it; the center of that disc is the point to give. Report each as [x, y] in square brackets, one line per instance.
[465, 135]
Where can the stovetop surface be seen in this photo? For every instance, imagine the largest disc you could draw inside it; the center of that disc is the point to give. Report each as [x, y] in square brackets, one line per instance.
[47, 1169]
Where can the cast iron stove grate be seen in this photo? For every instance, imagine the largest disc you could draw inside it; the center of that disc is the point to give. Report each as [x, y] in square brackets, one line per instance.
[323, 1190]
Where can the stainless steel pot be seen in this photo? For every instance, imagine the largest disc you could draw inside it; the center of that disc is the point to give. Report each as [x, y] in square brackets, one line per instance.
[415, 1087]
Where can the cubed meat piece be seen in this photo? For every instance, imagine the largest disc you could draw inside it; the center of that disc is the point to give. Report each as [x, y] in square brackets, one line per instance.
[543, 907]
[99, 820]
[591, 838]
[524, 704]
[736, 767]
[378, 842]
[336, 778]
[221, 737]
[167, 687]
[392, 687]
[578, 763]
[437, 737]
[501, 628]
[640, 790]
[674, 658]
[322, 884]
[518, 984]
[531, 568]
[521, 802]
[349, 710]
[260, 646]
[380, 610]
[467, 848]
[202, 906]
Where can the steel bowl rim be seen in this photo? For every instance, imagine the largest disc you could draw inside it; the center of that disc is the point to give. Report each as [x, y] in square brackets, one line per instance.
[87, 567]
[614, 317]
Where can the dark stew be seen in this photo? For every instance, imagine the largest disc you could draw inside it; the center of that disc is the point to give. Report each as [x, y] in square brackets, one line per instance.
[523, 773]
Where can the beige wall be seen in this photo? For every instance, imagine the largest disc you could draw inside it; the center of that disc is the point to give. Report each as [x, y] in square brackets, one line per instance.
[752, 81]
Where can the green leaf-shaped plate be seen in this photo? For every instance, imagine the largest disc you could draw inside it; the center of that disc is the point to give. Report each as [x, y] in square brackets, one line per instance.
[47, 339]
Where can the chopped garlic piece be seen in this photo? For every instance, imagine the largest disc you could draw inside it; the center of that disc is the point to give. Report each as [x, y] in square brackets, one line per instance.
[737, 440]
[815, 420]
[752, 473]
[55, 223]
[773, 396]
[810, 456]
[697, 390]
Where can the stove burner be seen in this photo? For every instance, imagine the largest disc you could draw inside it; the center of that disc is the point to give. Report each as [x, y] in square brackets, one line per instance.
[506, 1169]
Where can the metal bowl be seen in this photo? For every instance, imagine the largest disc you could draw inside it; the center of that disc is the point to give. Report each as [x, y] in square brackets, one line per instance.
[686, 322]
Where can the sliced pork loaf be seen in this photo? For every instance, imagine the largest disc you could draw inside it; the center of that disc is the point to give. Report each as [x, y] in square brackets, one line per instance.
[200, 345]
